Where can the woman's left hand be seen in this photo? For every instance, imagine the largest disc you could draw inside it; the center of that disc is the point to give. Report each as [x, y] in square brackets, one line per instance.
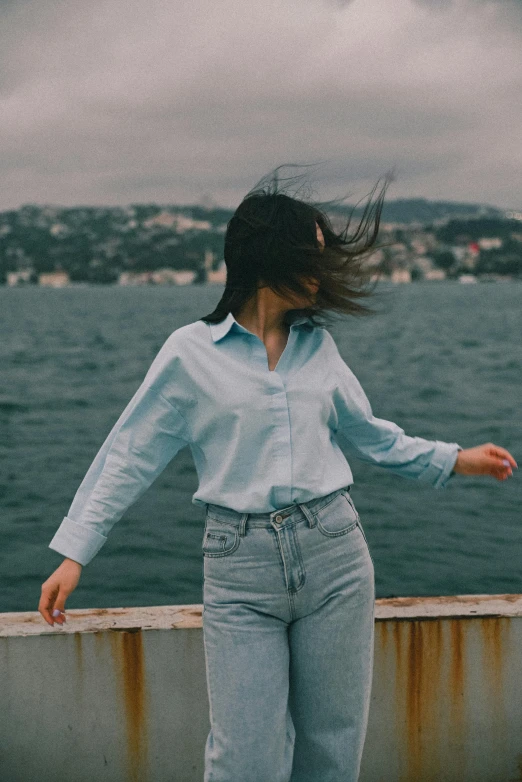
[487, 459]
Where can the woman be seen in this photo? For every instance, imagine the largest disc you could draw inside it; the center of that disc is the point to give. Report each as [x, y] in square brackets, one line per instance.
[258, 390]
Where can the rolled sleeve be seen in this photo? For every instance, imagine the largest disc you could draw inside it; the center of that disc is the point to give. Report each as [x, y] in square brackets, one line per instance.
[440, 468]
[76, 541]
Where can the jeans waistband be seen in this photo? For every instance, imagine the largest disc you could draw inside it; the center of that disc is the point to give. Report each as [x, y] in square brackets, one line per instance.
[268, 518]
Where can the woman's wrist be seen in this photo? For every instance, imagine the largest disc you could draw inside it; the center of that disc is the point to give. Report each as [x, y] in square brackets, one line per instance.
[74, 562]
[456, 460]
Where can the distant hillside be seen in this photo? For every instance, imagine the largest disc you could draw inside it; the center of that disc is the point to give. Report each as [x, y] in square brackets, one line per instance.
[97, 244]
[421, 210]
[400, 210]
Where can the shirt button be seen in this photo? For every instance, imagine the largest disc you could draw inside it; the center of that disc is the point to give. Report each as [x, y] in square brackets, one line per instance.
[279, 519]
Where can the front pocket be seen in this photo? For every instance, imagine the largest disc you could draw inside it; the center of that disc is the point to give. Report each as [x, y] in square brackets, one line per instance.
[219, 540]
[365, 540]
[338, 517]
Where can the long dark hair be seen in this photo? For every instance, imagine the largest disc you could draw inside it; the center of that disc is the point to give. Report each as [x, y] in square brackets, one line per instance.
[272, 237]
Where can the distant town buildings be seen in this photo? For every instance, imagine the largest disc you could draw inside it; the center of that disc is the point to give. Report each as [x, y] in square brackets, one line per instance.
[401, 275]
[147, 244]
[218, 275]
[22, 277]
[178, 221]
[488, 243]
[158, 277]
[435, 274]
[57, 279]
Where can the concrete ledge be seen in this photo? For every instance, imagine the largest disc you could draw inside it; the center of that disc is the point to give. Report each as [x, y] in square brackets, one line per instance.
[105, 700]
[92, 620]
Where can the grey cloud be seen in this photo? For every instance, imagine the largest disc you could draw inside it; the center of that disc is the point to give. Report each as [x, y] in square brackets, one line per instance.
[123, 101]
[436, 6]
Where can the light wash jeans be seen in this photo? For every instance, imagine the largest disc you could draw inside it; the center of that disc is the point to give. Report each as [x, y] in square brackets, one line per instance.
[288, 629]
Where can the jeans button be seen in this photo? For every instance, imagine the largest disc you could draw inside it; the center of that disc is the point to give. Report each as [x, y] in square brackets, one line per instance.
[279, 519]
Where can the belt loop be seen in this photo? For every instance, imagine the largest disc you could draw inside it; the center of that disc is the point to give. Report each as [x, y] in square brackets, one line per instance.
[308, 513]
[242, 524]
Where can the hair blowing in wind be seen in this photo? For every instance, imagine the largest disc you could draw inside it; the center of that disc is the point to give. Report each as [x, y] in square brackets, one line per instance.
[272, 238]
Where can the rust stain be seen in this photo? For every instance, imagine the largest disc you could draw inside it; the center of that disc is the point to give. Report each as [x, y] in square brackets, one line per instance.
[456, 692]
[413, 601]
[401, 677]
[510, 598]
[382, 634]
[31, 618]
[423, 655]
[494, 631]
[456, 675]
[415, 677]
[98, 612]
[128, 654]
[422, 691]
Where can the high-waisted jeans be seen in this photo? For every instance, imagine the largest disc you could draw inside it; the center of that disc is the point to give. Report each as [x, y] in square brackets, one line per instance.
[288, 629]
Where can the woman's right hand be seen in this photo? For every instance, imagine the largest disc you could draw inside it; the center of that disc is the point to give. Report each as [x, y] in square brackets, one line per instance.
[57, 589]
[485, 459]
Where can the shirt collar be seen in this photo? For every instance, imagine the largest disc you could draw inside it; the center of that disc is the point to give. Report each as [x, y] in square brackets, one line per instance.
[219, 330]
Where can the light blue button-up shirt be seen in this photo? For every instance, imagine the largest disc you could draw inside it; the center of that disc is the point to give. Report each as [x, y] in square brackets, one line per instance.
[261, 439]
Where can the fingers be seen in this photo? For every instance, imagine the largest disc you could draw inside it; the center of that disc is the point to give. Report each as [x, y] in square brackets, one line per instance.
[503, 454]
[501, 469]
[52, 601]
[59, 615]
[46, 603]
[499, 462]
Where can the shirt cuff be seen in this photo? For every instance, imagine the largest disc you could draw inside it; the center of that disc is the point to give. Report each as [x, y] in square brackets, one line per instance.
[443, 461]
[77, 542]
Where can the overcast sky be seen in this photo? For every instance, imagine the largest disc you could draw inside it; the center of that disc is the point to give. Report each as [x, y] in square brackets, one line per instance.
[116, 102]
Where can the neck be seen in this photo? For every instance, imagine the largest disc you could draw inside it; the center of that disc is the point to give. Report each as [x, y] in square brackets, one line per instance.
[263, 314]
